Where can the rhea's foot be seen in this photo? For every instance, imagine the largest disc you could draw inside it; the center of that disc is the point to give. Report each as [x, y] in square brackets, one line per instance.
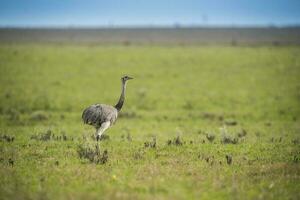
[98, 138]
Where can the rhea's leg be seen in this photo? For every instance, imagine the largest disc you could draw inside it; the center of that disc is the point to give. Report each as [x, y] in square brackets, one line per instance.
[96, 134]
[101, 130]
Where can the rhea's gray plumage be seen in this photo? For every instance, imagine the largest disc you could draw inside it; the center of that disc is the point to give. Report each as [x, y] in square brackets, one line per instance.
[98, 113]
[103, 116]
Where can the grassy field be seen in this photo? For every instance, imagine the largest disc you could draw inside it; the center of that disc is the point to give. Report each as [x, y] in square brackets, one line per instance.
[207, 122]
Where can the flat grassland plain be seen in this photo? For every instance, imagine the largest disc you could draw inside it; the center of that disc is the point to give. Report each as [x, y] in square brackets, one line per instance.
[199, 122]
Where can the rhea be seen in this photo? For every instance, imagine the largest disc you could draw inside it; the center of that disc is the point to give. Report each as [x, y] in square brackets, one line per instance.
[103, 116]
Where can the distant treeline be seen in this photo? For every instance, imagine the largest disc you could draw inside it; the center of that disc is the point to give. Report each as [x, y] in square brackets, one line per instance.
[128, 36]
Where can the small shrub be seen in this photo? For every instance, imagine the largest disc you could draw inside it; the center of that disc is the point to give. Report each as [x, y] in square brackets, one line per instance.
[212, 116]
[48, 135]
[138, 155]
[229, 159]
[7, 138]
[207, 158]
[7, 95]
[44, 136]
[268, 124]
[296, 141]
[11, 162]
[226, 138]
[231, 122]
[243, 133]
[151, 144]
[276, 139]
[296, 159]
[188, 105]
[38, 116]
[210, 137]
[62, 116]
[176, 141]
[92, 153]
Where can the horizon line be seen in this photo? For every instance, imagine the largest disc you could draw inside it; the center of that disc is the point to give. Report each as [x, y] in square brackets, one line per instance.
[173, 26]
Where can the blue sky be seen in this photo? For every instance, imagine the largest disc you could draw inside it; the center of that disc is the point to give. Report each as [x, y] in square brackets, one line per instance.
[149, 12]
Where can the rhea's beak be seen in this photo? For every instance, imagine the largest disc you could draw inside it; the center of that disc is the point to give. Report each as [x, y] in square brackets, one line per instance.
[129, 78]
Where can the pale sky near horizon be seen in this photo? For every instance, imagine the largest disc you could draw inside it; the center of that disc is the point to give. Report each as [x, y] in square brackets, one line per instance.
[144, 13]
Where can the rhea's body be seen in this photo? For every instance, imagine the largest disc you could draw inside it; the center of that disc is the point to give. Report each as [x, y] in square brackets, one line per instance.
[97, 114]
[103, 116]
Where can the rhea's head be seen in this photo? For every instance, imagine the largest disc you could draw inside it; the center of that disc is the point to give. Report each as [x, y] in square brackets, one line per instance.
[125, 78]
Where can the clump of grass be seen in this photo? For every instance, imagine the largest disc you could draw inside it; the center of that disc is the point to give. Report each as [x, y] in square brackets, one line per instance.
[208, 158]
[231, 122]
[242, 133]
[296, 141]
[151, 144]
[48, 135]
[127, 137]
[188, 105]
[44, 136]
[257, 134]
[126, 43]
[228, 159]
[128, 115]
[296, 159]
[7, 138]
[138, 155]
[268, 124]
[62, 137]
[7, 95]
[102, 137]
[13, 114]
[39, 116]
[92, 153]
[210, 137]
[212, 116]
[177, 141]
[276, 139]
[11, 162]
[227, 138]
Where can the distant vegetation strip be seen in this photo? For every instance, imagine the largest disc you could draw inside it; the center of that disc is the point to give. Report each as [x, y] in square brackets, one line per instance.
[128, 36]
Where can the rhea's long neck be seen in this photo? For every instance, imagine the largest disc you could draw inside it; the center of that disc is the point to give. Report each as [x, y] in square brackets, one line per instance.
[120, 103]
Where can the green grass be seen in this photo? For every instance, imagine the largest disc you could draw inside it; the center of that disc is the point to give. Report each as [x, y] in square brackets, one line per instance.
[185, 91]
